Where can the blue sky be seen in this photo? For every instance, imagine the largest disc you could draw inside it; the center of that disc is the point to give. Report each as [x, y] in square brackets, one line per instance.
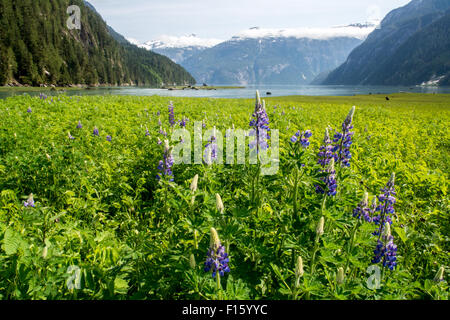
[147, 19]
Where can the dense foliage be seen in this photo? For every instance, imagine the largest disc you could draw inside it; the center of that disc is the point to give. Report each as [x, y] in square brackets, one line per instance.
[36, 47]
[101, 225]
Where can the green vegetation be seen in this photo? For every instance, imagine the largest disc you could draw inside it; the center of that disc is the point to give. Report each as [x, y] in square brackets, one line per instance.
[100, 213]
[36, 47]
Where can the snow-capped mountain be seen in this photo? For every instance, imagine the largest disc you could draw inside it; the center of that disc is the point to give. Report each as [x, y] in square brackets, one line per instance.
[264, 56]
[178, 48]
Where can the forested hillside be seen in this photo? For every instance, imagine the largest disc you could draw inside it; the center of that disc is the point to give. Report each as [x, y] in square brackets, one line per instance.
[411, 47]
[37, 47]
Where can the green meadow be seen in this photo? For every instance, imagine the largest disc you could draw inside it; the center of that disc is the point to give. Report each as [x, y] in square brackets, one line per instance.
[103, 226]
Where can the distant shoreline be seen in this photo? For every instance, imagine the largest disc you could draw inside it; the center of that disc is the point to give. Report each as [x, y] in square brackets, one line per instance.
[202, 87]
[30, 88]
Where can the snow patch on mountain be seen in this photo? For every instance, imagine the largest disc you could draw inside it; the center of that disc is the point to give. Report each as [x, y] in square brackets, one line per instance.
[166, 42]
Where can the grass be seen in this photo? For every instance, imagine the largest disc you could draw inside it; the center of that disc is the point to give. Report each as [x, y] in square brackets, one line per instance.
[103, 222]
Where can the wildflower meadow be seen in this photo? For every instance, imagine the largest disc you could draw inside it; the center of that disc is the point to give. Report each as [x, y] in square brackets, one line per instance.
[101, 198]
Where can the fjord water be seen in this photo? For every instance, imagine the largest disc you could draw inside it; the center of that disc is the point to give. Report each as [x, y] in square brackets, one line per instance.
[247, 92]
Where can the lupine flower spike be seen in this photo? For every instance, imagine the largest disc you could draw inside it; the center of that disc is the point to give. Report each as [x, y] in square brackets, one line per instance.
[194, 188]
[216, 259]
[325, 151]
[386, 251]
[70, 136]
[298, 271]
[385, 208]
[260, 126]
[363, 210]
[320, 225]
[194, 183]
[343, 141]
[108, 138]
[79, 125]
[171, 114]
[192, 262]
[219, 203]
[95, 132]
[165, 166]
[29, 202]
[211, 149]
[340, 276]
[439, 275]
[330, 180]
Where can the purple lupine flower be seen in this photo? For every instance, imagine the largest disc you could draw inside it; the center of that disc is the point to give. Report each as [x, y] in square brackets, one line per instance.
[216, 258]
[343, 141]
[211, 149]
[159, 122]
[147, 133]
[325, 154]
[171, 114]
[79, 125]
[329, 180]
[260, 125]
[159, 141]
[326, 160]
[302, 138]
[108, 138]
[203, 124]
[70, 136]
[42, 96]
[95, 132]
[362, 209]
[182, 123]
[29, 202]
[29, 110]
[385, 208]
[165, 166]
[294, 138]
[385, 250]
[158, 113]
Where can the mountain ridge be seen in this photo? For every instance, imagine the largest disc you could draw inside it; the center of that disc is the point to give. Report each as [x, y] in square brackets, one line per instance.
[385, 57]
[268, 56]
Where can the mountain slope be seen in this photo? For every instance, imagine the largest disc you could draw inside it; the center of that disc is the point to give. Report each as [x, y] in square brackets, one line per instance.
[411, 47]
[268, 60]
[36, 47]
[263, 56]
[272, 56]
[179, 49]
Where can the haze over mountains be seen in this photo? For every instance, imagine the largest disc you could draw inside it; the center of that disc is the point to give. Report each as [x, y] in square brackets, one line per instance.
[263, 56]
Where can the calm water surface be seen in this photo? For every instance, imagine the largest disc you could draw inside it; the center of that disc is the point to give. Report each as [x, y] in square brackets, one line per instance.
[247, 92]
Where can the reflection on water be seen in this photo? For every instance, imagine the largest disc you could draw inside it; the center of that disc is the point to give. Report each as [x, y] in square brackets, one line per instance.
[247, 92]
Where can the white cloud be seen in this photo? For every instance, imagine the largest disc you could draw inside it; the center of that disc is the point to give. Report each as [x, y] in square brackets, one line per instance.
[312, 33]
